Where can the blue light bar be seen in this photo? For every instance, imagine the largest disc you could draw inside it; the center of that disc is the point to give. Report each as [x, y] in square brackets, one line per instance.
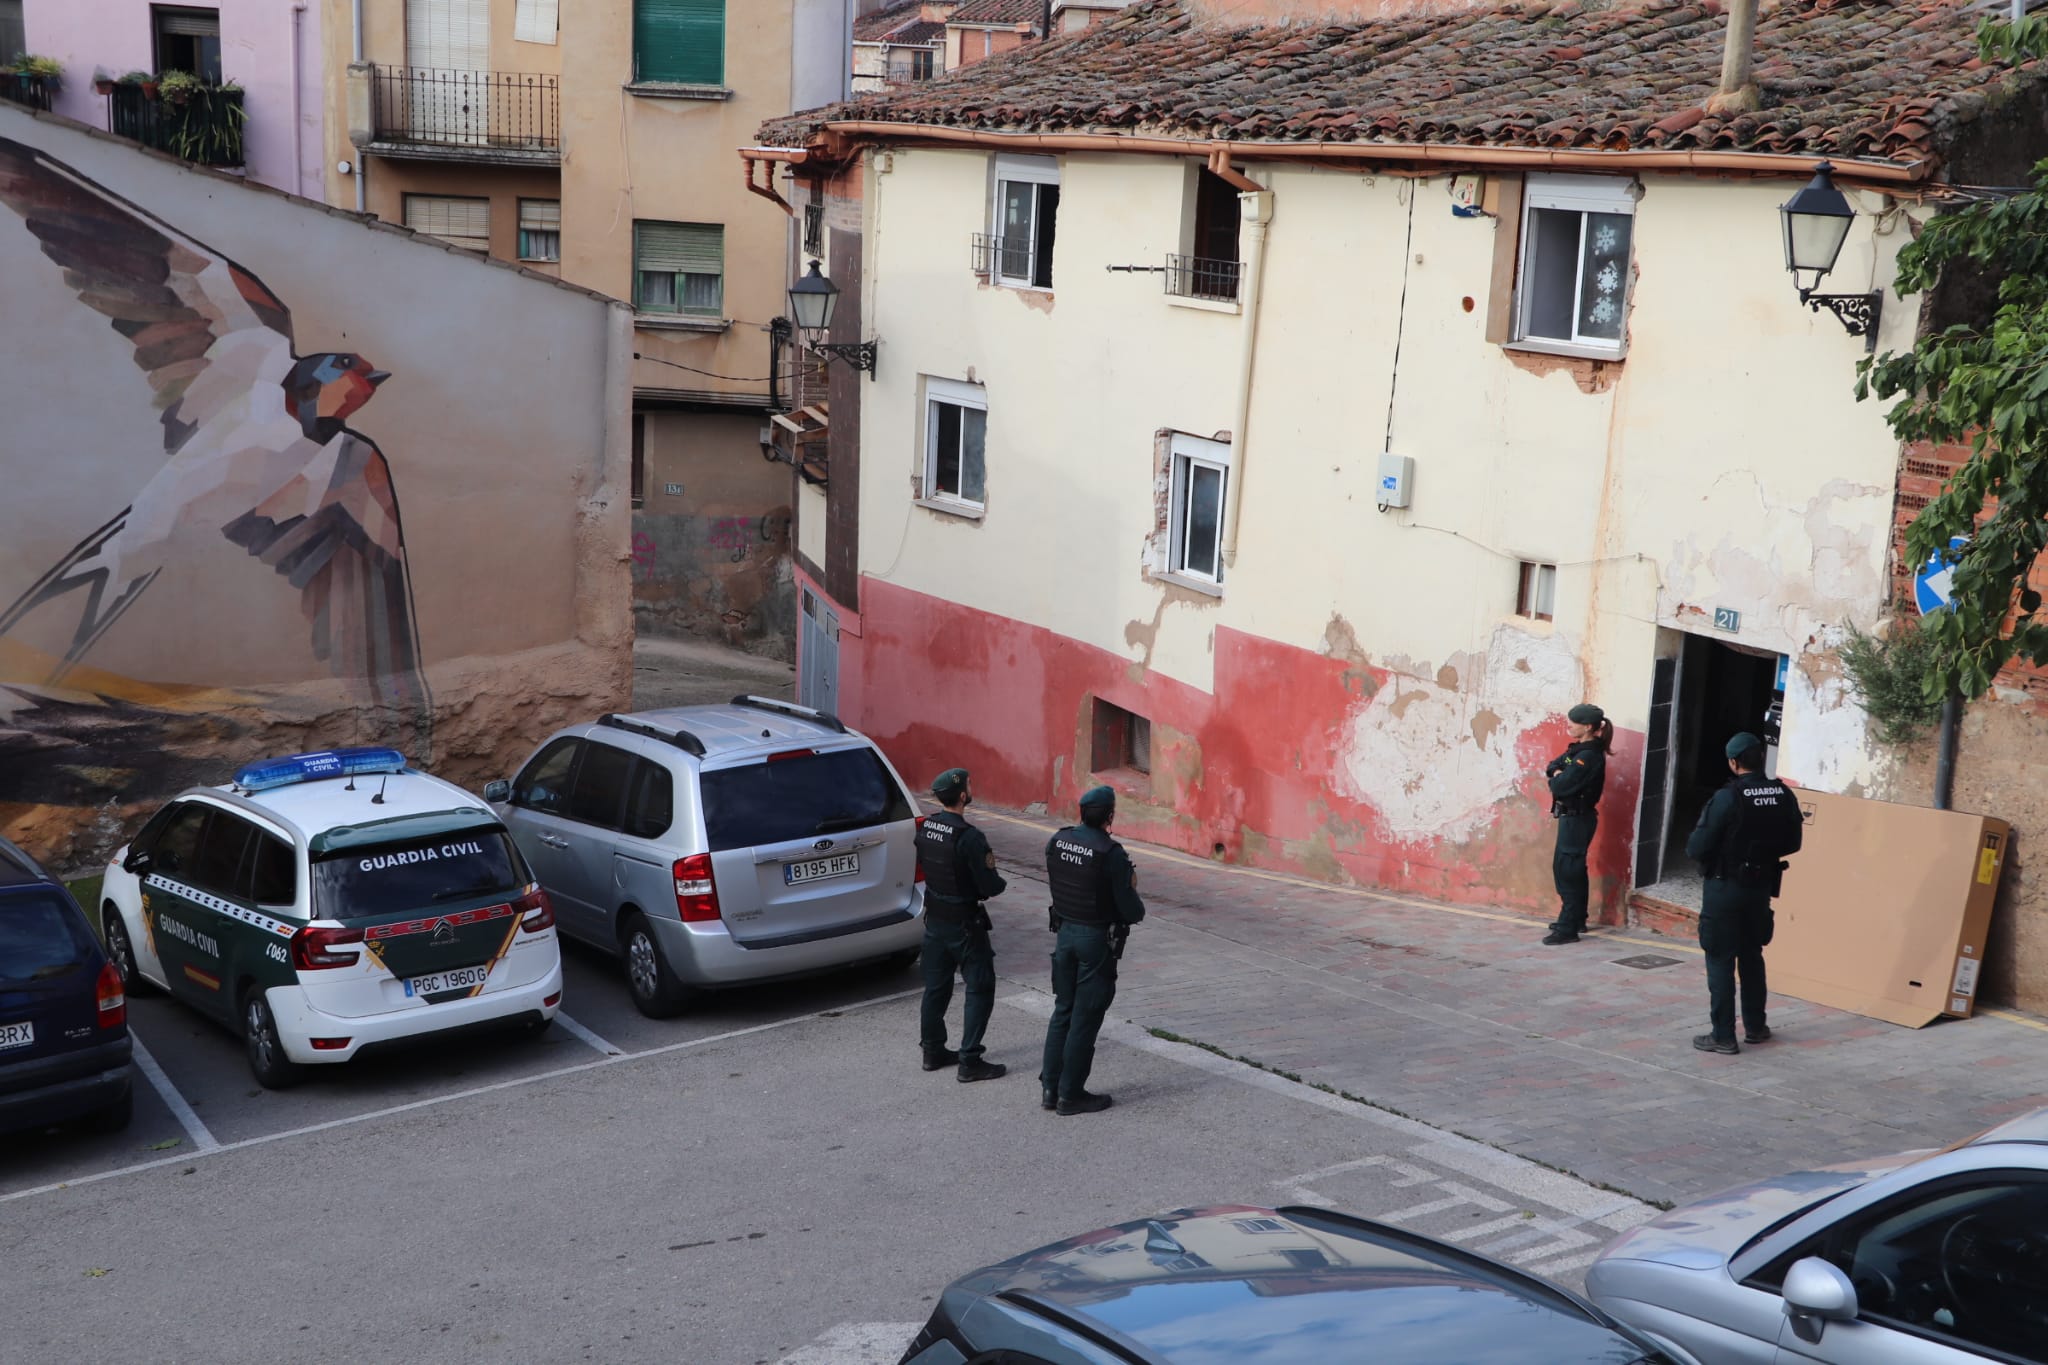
[285, 772]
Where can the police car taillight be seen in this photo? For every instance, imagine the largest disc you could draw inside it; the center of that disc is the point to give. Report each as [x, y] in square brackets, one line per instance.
[315, 948]
[696, 893]
[113, 1000]
[920, 862]
[535, 910]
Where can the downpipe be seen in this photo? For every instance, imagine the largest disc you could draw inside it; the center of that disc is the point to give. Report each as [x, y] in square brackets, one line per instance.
[362, 170]
[1257, 210]
[1945, 753]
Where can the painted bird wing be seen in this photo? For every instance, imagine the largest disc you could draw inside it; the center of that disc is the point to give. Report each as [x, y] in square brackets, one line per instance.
[171, 296]
[347, 559]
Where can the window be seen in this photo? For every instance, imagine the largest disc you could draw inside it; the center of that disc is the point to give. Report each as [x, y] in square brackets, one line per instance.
[799, 798]
[679, 268]
[814, 226]
[218, 858]
[544, 783]
[679, 42]
[41, 937]
[1574, 278]
[639, 459]
[540, 229]
[13, 35]
[599, 794]
[272, 872]
[375, 879]
[187, 40]
[1209, 269]
[465, 223]
[1119, 739]
[1201, 477]
[1537, 596]
[177, 843]
[535, 21]
[652, 808]
[955, 442]
[1023, 218]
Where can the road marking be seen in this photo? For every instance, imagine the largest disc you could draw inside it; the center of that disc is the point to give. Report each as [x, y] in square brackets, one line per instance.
[201, 1136]
[856, 1343]
[2014, 1017]
[587, 1036]
[514, 1083]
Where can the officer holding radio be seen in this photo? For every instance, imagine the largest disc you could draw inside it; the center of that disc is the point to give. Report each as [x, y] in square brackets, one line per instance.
[959, 874]
[1094, 904]
[1746, 832]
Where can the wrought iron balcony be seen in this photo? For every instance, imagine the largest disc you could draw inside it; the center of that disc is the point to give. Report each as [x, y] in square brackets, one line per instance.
[1193, 277]
[22, 88]
[200, 123]
[500, 116]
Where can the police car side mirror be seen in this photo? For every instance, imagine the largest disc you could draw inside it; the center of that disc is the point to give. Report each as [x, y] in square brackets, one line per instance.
[137, 862]
[501, 790]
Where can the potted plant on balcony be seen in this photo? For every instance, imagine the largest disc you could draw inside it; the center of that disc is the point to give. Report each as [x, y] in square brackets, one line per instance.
[102, 83]
[176, 87]
[46, 69]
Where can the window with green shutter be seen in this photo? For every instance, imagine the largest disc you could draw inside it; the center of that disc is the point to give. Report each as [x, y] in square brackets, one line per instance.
[679, 41]
[679, 268]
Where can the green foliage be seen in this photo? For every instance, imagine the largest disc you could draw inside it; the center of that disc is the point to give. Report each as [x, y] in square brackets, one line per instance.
[1897, 680]
[49, 68]
[1986, 389]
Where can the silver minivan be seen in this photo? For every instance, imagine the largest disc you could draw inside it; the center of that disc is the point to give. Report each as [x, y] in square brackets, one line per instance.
[720, 845]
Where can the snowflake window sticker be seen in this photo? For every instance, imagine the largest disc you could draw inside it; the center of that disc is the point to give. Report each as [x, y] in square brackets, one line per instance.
[1604, 239]
[1602, 312]
[1609, 278]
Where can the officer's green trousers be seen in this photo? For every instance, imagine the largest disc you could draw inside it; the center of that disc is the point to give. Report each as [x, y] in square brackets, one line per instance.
[950, 948]
[1083, 984]
[1568, 870]
[1736, 922]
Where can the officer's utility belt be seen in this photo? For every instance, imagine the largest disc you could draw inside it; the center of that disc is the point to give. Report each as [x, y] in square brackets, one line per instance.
[948, 909]
[1570, 808]
[1054, 919]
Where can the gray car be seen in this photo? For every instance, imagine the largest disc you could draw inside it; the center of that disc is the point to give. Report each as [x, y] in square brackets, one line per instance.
[1928, 1258]
[720, 845]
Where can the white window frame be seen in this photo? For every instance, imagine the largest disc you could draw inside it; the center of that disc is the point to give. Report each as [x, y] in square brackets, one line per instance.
[1011, 169]
[1185, 454]
[1536, 590]
[1575, 194]
[952, 392]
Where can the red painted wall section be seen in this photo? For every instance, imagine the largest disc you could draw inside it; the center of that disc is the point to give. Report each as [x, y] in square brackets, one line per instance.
[1249, 774]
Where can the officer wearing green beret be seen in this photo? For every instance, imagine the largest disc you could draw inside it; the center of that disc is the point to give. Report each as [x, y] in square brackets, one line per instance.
[1577, 776]
[1094, 904]
[959, 874]
[1746, 832]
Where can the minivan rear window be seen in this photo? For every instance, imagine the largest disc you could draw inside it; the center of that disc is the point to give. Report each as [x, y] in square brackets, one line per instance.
[41, 937]
[377, 879]
[783, 799]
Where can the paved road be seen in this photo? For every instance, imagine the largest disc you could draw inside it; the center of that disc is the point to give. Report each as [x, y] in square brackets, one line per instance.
[775, 1180]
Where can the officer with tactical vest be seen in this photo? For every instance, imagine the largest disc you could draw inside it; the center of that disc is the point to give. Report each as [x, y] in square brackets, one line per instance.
[1094, 904]
[959, 874]
[1746, 832]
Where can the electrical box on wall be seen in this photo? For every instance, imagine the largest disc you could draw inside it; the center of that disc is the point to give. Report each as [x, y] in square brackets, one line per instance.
[1397, 480]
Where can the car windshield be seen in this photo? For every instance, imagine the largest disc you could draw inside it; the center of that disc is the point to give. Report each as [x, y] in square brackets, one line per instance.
[379, 879]
[40, 937]
[783, 799]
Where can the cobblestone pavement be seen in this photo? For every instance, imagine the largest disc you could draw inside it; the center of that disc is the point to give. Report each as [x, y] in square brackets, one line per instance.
[1461, 1019]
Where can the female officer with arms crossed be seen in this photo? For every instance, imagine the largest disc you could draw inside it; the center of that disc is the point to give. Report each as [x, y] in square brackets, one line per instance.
[1576, 778]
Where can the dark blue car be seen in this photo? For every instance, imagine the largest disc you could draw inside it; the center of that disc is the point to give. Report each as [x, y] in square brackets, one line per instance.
[64, 1047]
[1233, 1285]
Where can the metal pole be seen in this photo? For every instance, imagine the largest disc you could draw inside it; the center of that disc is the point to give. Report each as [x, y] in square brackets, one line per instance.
[1945, 754]
[362, 171]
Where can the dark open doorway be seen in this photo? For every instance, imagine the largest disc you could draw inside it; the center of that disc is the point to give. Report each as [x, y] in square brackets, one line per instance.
[1704, 691]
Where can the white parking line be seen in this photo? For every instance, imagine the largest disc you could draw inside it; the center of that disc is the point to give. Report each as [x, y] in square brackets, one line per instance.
[515, 1083]
[587, 1036]
[202, 1138]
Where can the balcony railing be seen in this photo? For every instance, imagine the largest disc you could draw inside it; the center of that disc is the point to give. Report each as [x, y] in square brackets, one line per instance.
[22, 88]
[1192, 277]
[203, 124]
[1001, 258]
[486, 112]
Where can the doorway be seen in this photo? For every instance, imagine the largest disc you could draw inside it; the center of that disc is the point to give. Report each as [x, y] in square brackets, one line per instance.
[1704, 691]
[818, 655]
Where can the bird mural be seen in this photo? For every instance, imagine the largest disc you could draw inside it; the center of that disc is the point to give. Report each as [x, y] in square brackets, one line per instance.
[256, 443]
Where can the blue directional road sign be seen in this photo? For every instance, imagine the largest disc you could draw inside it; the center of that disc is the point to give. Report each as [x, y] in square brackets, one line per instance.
[1934, 584]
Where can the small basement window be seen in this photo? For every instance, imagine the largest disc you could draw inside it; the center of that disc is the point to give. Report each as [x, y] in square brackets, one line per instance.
[1537, 596]
[1120, 739]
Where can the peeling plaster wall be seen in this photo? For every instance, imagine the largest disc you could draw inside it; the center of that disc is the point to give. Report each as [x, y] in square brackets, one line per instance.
[1722, 465]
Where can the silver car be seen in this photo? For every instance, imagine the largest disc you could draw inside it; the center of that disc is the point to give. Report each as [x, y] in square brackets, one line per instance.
[1932, 1258]
[720, 845]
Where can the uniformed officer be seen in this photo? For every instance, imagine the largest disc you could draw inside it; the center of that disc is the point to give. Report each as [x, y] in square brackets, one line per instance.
[959, 874]
[1746, 832]
[1094, 904]
[1577, 776]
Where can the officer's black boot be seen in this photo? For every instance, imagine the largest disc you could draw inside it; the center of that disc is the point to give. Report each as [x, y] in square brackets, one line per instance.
[975, 1069]
[1047, 1099]
[1084, 1103]
[936, 1059]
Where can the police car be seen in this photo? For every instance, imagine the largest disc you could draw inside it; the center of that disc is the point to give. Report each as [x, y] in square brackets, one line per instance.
[330, 902]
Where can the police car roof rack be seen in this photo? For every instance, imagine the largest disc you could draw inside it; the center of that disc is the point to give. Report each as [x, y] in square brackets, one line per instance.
[790, 708]
[682, 739]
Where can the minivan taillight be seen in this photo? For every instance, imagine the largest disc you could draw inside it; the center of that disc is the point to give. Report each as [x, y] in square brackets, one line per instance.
[315, 948]
[696, 893]
[535, 910]
[113, 1000]
[917, 845]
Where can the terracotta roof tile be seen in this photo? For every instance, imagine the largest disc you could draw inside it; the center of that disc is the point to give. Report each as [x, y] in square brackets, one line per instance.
[883, 25]
[1848, 78]
[1000, 12]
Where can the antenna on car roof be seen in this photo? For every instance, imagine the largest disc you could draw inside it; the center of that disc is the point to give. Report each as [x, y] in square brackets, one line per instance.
[378, 799]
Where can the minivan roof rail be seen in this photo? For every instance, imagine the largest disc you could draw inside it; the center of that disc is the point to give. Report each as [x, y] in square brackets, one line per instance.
[790, 708]
[682, 739]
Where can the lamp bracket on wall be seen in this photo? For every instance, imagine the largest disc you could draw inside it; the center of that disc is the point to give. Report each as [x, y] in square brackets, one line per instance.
[1858, 313]
[859, 354]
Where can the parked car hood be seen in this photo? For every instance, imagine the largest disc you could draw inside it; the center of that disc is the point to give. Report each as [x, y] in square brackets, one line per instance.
[1705, 1234]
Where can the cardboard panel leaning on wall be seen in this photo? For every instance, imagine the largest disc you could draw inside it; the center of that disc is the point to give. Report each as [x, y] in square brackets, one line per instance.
[457, 579]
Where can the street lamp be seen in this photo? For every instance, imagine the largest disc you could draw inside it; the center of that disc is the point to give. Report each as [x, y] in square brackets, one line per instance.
[1817, 221]
[812, 302]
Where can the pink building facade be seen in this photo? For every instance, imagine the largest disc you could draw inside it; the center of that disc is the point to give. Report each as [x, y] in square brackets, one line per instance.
[271, 48]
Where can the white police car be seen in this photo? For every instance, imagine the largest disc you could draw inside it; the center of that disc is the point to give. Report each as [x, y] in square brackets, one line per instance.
[331, 902]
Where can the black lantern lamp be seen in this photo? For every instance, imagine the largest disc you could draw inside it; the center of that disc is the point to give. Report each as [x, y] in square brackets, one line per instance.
[1817, 221]
[812, 302]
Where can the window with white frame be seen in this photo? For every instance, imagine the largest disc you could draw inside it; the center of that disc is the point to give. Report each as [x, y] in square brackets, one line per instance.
[1572, 289]
[1201, 479]
[459, 222]
[1023, 219]
[540, 229]
[1536, 595]
[955, 442]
